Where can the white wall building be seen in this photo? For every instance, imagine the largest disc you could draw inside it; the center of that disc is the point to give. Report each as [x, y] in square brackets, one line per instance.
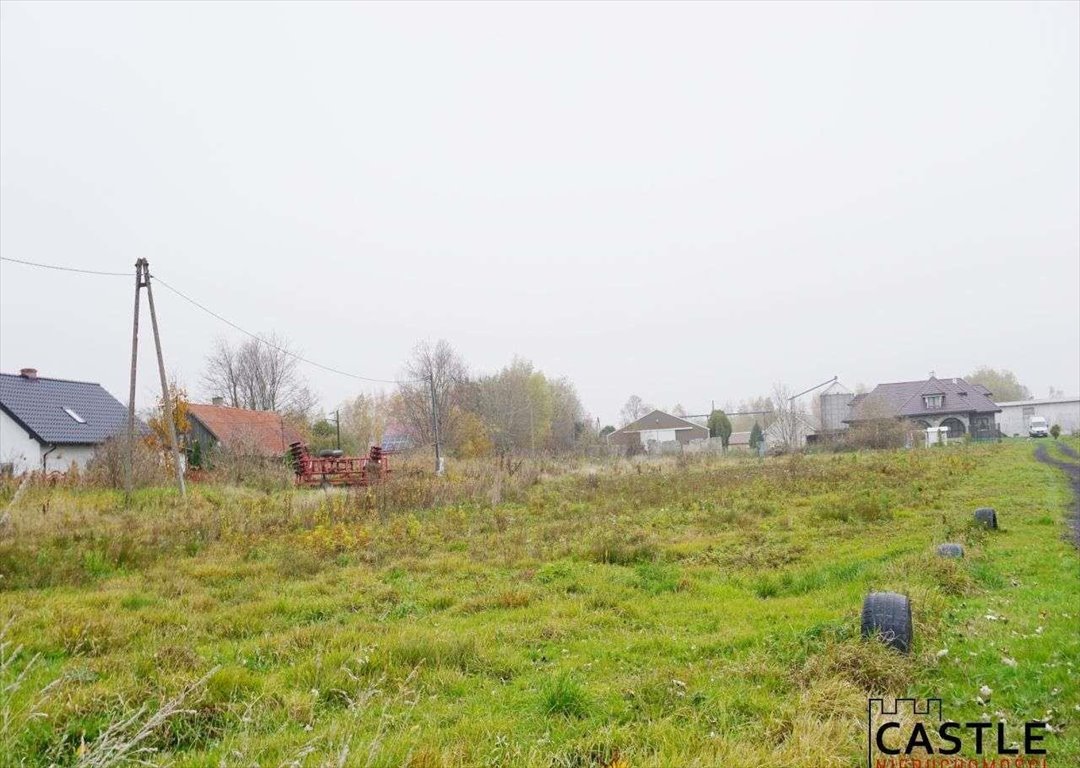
[1015, 417]
[50, 424]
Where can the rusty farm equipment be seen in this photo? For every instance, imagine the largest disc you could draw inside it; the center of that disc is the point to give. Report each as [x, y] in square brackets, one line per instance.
[332, 468]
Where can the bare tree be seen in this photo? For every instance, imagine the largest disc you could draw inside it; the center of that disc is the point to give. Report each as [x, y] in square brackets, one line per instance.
[633, 410]
[259, 374]
[431, 364]
[790, 419]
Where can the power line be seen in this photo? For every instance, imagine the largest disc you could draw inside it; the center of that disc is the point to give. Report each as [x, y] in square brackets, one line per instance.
[280, 349]
[211, 312]
[66, 269]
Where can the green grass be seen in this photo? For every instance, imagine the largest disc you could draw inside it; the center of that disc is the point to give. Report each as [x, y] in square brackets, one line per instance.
[693, 612]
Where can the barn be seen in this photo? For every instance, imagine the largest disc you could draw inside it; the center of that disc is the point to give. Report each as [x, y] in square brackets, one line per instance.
[659, 427]
[240, 431]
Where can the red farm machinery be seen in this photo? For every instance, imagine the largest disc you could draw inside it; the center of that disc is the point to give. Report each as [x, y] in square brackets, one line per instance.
[330, 467]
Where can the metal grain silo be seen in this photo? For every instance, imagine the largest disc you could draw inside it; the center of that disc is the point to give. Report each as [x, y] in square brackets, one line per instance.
[835, 407]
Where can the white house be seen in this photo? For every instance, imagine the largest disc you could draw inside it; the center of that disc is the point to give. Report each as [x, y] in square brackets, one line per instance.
[1015, 416]
[50, 424]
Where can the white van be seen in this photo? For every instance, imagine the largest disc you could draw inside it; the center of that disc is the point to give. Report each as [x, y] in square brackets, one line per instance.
[1037, 427]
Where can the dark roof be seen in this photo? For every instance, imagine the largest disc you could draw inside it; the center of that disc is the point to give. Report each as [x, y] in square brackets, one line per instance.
[739, 438]
[38, 406]
[260, 432]
[659, 420]
[905, 399]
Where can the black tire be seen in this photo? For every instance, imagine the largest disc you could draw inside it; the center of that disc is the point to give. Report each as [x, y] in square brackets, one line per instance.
[887, 617]
[950, 549]
[986, 516]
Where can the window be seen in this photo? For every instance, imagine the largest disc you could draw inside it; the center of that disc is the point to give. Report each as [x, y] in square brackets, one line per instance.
[75, 416]
[1028, 410]
[933, 401]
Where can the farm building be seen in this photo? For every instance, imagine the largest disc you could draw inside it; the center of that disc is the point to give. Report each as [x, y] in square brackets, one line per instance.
[1015, 417]
[239, 430]
[739, 441]
[960, 407]
[657, 427]
[51, 424]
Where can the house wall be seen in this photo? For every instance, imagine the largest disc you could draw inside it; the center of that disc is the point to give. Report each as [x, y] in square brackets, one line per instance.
[61, 459]
[625, 440]
[681, 436]
[685, 436]
[201, 435]
[17, 447]
[26, 454]
[1013, 421]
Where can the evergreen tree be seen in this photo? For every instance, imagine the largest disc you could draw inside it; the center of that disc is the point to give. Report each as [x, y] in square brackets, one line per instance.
[720, 426]
[756, 436]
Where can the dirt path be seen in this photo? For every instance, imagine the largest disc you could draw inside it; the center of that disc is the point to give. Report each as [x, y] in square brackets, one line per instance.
[1068, 451]
[1072, 471]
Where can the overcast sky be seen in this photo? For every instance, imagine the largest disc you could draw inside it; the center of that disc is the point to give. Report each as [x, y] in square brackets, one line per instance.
[687, 202]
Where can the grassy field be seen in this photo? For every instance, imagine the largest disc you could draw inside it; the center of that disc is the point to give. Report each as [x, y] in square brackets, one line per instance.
[678, 613]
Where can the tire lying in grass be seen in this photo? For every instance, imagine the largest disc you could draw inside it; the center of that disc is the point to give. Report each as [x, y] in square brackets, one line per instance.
[887, 616]
[986, 516]
[950, 549]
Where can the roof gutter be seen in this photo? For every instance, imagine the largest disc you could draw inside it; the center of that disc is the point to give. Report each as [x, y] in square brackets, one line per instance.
[45, 459]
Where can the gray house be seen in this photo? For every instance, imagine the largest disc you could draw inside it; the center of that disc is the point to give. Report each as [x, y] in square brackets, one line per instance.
[960, 407]
[51, 424]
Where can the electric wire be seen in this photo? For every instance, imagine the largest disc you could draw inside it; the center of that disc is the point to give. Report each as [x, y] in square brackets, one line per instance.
[212, 313]
[282, 350]
[66, 269]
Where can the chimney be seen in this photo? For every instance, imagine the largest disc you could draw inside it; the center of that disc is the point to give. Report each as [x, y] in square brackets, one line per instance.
[218, 401]
[28, 373]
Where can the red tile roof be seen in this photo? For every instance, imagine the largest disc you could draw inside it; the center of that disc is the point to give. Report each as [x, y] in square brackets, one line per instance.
[260, 432]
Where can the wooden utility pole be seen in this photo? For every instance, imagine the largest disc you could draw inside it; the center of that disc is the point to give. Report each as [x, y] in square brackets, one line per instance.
[129, 470]
[435, 424]
[142, 279]
[166, 400]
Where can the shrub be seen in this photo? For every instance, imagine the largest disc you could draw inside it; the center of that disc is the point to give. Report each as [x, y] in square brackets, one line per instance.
[108, 467]
[878, 434]
[1055, 431]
